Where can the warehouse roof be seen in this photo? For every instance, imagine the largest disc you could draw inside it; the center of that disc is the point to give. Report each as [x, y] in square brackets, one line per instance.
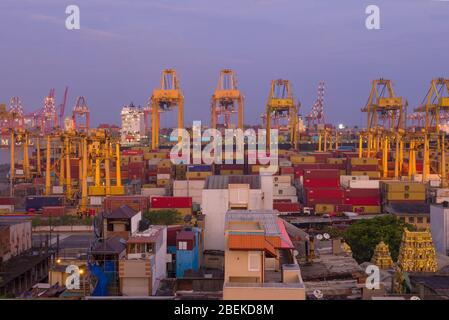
[266, 218]
[222, 182]
[123, 212]
[114, 245]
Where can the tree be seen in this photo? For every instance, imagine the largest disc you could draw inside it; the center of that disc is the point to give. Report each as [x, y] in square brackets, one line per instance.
[364, 235]
[163, 217]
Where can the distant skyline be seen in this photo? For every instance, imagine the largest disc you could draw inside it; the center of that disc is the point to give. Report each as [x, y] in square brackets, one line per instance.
[118, 54]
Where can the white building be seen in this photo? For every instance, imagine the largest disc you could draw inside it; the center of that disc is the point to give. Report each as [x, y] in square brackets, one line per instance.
[133, 125]
[223, 193]
[439, 226]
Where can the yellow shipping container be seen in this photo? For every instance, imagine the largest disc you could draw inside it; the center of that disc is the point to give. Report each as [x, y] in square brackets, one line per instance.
[324, 208]
[163, 182]
[230, 172]
[367, 209]
[336, 160]
[371, 174]
[405, 187]
[97, 191]
[166, 163]
[364, 161]
[198, 175]
[413, 196]
[298, 159]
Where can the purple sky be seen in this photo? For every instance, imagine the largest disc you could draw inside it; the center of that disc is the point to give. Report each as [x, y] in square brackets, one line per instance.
[118, 54]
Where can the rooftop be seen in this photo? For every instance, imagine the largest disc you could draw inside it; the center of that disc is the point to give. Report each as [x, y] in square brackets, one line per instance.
[123, 212]
[222, 182]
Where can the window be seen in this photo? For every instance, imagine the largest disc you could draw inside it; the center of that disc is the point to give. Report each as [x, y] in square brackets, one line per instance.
[182, 245]
[253, 261]
[420, 219]
[411, 219]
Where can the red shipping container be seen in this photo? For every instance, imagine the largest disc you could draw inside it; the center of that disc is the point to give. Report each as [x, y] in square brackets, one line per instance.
[312, 202]
[321, 157]
[321, 173]
[171, 202]
[287, 207]
[299, 169]
[287, 170]
[135, 165]
[362, 201]
[321, 183]
[164, 170]
[318, 193]
[132, 152]
[53, 211]
[6, 201]
[355, 193]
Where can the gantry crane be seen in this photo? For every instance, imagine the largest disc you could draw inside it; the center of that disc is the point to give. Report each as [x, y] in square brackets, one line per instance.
[315, 118]
[385, 116]
[226, 100]
[435, 104]
[81, 110]
[166, 98]
[281, 105]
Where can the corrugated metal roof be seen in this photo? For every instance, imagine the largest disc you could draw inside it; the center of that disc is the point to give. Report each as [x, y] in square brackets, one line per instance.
[267, 219]
[250, 242]
[124, 212]
[222, 182]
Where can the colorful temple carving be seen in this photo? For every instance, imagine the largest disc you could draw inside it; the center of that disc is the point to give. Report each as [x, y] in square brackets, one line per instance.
[382, 257]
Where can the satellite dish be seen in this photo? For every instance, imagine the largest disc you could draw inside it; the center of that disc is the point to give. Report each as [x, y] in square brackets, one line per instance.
[319, 236]
[415, 298]
[318, 294]
[327, 236]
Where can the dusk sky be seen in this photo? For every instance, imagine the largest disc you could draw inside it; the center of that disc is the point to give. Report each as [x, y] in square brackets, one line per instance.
[118, 54]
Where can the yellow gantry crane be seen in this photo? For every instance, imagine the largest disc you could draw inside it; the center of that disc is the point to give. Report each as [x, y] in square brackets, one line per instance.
[436, 102]
[281, 105]
[165, 98]
[226, 100]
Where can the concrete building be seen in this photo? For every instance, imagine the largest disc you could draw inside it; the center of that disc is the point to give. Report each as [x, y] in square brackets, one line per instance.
[15, 238]
[145, 264]
[120, 222]
[439, 226]
[133, 125]
[223, 193]
[187, 251]
[417, 214]
[259, 259]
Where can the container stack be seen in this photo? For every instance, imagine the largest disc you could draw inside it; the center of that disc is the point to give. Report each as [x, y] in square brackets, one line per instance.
[137, 202]
[364, 167]
[283, 190]
[164, 173]
[230, 169]
[198, 172]
[189, 188]
[402, 191]
[321, 190]
[181, 204]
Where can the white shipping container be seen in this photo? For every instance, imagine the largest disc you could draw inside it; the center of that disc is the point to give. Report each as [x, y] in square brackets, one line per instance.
[7, 208]
[96, 201]
[180, 192]
[58, 190]
[284, 191]
[19, 171]
[281, 185]
[153, 192]
[434, 183]
[442, 192]
[190, 184]
[198, 200]
[430, 177]
[282, 179]
[292, 199]
[441, 199]
[364, 184]
[344, 179]
[285, 163]
[163, 176]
